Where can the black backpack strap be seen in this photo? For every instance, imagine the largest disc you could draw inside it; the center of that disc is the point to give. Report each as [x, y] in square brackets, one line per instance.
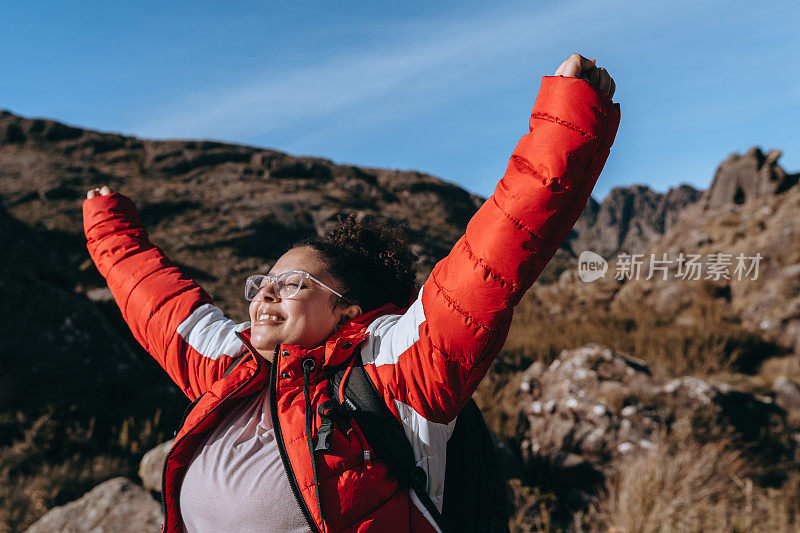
[383, 432]
[475, 493]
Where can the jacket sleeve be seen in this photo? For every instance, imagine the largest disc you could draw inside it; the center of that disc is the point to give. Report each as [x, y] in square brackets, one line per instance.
[171, 316]
[429, 361]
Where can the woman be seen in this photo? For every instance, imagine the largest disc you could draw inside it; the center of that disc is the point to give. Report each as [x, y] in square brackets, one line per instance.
[247, 457]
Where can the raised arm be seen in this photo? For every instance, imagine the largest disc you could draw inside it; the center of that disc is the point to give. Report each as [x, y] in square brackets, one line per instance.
[428, 362]
[169, 314]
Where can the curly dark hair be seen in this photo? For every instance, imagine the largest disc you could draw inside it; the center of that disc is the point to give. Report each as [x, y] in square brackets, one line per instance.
[372, 260]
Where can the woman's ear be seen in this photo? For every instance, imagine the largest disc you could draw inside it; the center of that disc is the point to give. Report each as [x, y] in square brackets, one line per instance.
[349, 313]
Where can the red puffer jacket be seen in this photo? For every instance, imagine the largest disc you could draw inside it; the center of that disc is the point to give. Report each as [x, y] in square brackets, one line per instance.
[425, 361]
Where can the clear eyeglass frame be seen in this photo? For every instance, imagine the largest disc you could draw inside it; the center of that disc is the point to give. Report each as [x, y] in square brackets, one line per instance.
[287, 284]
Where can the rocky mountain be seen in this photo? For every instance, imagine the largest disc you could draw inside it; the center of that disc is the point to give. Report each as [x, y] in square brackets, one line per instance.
[628, 219]
[757, 231]
[760, 223]
[224, 210]
[79, 401]
[227, 210]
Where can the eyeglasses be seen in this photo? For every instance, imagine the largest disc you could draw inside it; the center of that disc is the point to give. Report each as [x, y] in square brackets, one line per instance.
[287, 284]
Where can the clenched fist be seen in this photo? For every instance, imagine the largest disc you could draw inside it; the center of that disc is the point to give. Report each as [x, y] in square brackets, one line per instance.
[577, 66]
[97, 191]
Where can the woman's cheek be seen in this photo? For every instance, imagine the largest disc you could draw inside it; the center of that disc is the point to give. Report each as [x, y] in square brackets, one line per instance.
[251, 309]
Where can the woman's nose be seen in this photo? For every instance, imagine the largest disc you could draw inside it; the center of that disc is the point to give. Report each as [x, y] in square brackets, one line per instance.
[267, 292]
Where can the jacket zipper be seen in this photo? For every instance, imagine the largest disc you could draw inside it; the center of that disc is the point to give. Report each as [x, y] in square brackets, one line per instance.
[186, 414]
[175, 445]
[273, 377]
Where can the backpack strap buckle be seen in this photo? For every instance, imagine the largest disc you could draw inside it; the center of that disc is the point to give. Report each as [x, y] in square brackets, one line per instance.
[327, 411]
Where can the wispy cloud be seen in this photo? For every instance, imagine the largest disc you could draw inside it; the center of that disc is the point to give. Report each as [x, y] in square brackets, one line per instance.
[431, 56]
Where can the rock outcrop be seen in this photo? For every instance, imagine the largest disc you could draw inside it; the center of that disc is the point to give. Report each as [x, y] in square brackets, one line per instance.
[593, 406]
[629, 219]
[762, 291]
[742, 178]
[767, 299]
[116, 506]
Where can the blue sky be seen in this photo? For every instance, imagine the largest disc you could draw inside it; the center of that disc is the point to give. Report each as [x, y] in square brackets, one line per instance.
[441, 87]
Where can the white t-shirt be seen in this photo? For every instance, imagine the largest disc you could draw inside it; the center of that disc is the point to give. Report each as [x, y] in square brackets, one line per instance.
[236, 480]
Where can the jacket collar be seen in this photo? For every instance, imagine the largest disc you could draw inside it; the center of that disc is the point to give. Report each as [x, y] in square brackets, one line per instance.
[340, 345]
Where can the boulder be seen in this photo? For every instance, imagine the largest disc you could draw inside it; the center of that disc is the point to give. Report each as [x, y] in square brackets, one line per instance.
[117, 505]
[151, 467]
[577, 409]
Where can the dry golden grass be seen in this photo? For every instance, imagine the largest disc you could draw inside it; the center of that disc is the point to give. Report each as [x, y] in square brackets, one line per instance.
[709, 339]
[532, 509]
[55, 461]
[771, 369]
[694, 488]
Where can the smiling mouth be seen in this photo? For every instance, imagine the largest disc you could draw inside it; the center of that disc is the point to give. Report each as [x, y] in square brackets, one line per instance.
[264, 317]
